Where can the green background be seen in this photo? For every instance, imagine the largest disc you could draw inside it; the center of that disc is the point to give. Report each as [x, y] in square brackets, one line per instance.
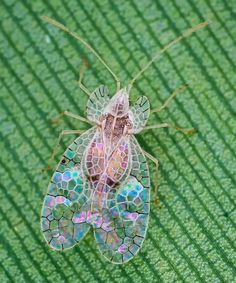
[192, 233]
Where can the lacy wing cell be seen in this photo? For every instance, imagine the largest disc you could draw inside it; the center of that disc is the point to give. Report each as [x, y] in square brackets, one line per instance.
[139, 113]
[68, 198]
[97, 102]
[126, 213]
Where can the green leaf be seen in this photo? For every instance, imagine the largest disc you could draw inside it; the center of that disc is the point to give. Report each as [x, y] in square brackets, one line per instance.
[192, 232]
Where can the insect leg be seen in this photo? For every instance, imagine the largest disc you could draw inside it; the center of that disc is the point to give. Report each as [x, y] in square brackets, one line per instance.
[80, 39]
[165, 104]
[166, 125]
[74, 116]
[156, 162]
[63, 133]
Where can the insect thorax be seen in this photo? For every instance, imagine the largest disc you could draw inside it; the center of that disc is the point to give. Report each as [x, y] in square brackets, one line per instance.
[115, 121]
[115, 127]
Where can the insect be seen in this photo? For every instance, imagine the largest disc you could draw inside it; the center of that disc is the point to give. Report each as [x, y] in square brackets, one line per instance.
[102, 181]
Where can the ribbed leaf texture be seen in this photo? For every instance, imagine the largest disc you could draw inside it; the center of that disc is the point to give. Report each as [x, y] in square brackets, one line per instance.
[192, 231]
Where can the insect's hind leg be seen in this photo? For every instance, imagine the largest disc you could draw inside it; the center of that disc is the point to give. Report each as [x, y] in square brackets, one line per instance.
[166, 125]
[156, 162]
[166, 103]
[63, 133]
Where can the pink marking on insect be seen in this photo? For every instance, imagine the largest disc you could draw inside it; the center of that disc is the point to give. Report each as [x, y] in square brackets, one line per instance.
[122, 249]
[60, 199]
[79, 218]
[107, 227]
[99, 222]
[100, 146]
[132, 216]
[123, 165]
[92, 217]
[66, 176]
[61, 238]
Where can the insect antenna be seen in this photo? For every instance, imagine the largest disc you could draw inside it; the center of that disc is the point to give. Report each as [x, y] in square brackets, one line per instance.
[79, 38]
[155, 57]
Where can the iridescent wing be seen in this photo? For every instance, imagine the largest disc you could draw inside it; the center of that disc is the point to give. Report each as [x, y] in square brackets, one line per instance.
[68, 198]
[98, 100]
[94, 158]
[126, 213]
[139, 114]
[116, 170]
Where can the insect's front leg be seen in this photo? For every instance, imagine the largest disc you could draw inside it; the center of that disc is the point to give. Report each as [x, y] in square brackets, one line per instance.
[166, 125]
[156, 162]
[63, 133]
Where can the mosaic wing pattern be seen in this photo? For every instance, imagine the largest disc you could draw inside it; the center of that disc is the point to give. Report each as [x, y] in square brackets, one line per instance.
[126, 211]
[98, 100]
[69, 196]
[140, 112]
[113, 172]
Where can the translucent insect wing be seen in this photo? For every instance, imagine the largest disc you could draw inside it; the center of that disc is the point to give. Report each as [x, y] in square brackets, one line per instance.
[68, 198]
[97, 102]
[127, 213]
[140, 112]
